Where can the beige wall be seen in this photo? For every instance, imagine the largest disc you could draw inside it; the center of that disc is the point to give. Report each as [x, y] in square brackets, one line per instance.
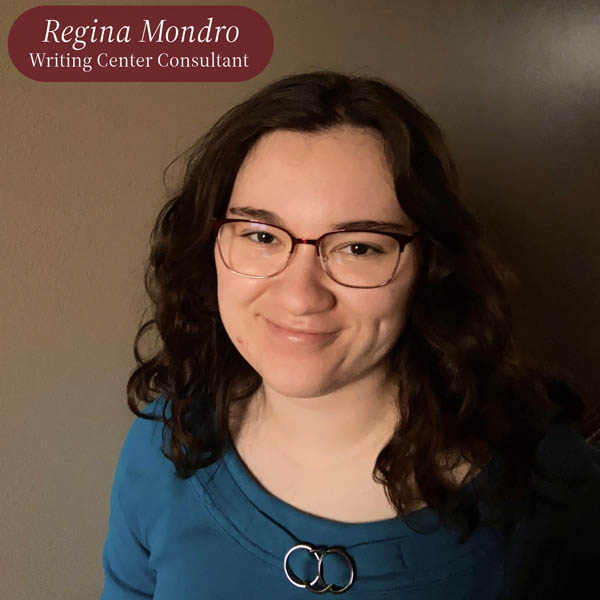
[513, 84]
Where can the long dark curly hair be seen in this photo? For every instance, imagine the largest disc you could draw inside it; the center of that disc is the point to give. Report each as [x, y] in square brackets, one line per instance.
[465, 391]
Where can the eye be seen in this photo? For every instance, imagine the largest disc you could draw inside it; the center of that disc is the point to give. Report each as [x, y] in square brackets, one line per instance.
[262, 237]
[357, 249]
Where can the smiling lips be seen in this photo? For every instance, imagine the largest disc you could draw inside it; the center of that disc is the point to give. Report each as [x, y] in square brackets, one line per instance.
[305, 338]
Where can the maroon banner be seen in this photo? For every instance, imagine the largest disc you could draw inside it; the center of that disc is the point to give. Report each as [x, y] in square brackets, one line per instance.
[140, 43]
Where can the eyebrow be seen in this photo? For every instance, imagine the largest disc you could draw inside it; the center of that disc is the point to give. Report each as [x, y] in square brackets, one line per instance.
[273, 219]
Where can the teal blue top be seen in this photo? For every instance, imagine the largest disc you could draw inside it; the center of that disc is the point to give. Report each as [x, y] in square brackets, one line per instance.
[219, 535]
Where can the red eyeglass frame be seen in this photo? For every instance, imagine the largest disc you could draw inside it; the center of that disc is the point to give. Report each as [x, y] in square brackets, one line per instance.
[402, 239]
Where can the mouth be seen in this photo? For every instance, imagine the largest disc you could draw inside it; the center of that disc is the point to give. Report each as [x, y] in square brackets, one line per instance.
[300, 337]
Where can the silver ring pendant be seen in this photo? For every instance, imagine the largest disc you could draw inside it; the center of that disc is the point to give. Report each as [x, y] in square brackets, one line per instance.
[318, 584]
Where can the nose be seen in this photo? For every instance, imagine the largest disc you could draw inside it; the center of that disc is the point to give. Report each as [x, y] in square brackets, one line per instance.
[303, 286]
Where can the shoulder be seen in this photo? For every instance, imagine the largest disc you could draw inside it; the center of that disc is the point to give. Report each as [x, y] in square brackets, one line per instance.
[566, 466]
[563, 451]
[565, 479]
[142, 455]
[555, 548]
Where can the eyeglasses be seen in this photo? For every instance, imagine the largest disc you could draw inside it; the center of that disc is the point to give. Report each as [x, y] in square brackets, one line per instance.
[357, 259]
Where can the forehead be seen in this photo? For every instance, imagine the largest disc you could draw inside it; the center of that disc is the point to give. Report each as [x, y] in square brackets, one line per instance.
[339, 173]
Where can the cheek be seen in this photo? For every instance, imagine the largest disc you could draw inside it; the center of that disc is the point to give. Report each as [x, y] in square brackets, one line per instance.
[398, 300]
[228, 309]
[234, 300]
[231, 317]
[384, 315]
[389, 305]
[393, 321]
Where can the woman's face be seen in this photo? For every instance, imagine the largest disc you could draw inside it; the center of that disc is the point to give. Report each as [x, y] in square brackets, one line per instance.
[309, 182]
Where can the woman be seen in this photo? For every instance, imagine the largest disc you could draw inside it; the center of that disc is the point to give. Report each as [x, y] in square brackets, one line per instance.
[338, 405]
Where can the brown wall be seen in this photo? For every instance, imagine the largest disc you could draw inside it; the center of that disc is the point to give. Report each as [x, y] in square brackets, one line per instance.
[515, 86]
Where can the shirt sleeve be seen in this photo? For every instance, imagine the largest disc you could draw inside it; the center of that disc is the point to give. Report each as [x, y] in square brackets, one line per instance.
[125, 557]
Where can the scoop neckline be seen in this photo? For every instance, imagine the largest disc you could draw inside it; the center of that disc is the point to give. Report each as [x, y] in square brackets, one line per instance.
[391, 553]
[424, 518]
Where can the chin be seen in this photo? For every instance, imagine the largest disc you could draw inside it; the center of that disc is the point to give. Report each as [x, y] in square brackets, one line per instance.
[297, 385]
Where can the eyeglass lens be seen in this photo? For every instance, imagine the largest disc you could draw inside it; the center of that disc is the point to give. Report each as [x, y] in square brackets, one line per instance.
[362, 259]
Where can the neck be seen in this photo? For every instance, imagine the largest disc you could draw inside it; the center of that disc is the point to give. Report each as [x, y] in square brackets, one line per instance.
[325, 431]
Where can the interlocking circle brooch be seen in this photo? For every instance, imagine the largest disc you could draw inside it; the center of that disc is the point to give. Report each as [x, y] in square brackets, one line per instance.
[318, 584]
